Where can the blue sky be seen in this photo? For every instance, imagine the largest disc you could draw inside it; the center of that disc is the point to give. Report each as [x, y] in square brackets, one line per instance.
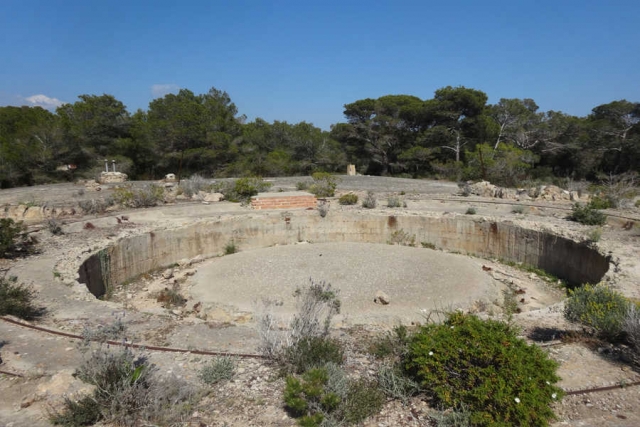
[303, 60]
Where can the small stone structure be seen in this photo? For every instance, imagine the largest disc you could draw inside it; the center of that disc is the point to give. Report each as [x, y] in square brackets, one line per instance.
[351, 170]
[170, 177]
[284, 200]
[112, 177]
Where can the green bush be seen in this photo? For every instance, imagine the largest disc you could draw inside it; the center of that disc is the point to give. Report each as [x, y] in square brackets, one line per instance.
[231, 248]
[587, 215]
[324, 184]
[518, 209]
[598, 307]
[471, 211]
[17, 300]
[484, 365]
[369, 202]
[221, 368]
[599, 203]
[302, 185]
[311, 352]
[84, 412]
[325, 396]
[171, 298]
[13, 239]
[241, 190]
[390, 344]
[348, 199]
[395, 384]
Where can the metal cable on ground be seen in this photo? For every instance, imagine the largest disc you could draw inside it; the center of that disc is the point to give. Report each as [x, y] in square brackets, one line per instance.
[249, 356]
[142, 346]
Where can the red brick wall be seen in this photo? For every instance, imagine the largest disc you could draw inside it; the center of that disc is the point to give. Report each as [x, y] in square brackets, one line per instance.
[289, 202]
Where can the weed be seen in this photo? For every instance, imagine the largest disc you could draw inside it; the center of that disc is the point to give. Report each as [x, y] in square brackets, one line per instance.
[395, 384]
[324, 184]
[194, 185]
[112, 331]
[458, 417]
[396, 202]
[241, 190]
[17, 300]
[587, 215]
[510, 302]
[594, 235]
[95, 206]
[428, 245]
[171, 298]
[369, 202]
[392, 343]
[471, 211]
[231, 248]
[518, 209]
[598, 307]
[312, 352]
[14, 240]
[84, 412]
[88, 226]
[401, 237]
[323, 208]
[221, 368]
[54, 227]
[348, 199]
[484, 365]
[145, 197]
[302, 185]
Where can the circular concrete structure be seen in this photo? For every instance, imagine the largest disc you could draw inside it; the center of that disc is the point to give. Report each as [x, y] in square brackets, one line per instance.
[413, 278]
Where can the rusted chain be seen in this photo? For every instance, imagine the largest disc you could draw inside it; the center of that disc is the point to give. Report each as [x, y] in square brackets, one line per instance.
[132, 345]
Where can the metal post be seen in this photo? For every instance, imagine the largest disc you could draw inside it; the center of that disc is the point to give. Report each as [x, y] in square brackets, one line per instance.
[106, 165]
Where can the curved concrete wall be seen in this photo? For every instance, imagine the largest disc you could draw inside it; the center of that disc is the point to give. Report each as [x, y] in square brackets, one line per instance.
[564, 258]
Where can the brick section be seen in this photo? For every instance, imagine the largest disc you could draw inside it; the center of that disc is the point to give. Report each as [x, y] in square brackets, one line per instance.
[302, 201]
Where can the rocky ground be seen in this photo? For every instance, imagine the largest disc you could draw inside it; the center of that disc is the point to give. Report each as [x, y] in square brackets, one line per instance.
[46, 362]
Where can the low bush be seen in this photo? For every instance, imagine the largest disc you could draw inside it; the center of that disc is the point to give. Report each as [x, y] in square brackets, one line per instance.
[231, 248]
[171, 298]
[324, 184]
[54, 227]
[325, 396]
[128, 392]
[311, 352]
[241, 190]
[518, 209]
[348, 199]
[459, 417]
[302, 185]
[95, 206]
[220, 369]
[17, 300]
[193, 185]
[392, 343]
[14, 240]
[145, 197]
[587, 215]
[395, 384]
[598, 307]
[396, 202]
[597, 202]
[484, 365]
[594, 235]
[369, 202]
[428, 245]
[471, 211]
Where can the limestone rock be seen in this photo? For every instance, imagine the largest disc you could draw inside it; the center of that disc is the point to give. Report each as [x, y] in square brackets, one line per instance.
[483, 189]
[111, 177]
[167, 274]
[382, 298]
[213, 197]
[170, 177]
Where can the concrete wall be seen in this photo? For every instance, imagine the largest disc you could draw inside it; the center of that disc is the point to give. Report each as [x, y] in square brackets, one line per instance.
[130, 257]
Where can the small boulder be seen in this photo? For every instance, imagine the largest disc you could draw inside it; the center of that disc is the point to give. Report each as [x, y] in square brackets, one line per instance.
[382, 298]
[167, 274]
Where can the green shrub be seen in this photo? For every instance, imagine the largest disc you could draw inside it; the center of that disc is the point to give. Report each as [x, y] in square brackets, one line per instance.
[598, 307]
[369, 202]
[311, 352]
[395, 384]
[599, 203]
[428, 245]
[471, 211]
[324, 184]
[325, 396]
[587, 215]
[171, 298]
[231, 248]
[17, 300]
[392, 343]
[241, 190]
[14, 240]
[484, 365]
[348, 199]
[84, 412]
[594, 235]
[194, 185]
[401, 237]
[459, 417]
[95, 206]
[637, 204]
[221, 368]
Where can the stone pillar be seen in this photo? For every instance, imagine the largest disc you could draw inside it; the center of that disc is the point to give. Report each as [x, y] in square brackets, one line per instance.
[351, 170]
[113, 162]
[106, 165]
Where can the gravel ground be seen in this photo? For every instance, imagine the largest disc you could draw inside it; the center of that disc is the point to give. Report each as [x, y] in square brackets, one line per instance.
[413, 278]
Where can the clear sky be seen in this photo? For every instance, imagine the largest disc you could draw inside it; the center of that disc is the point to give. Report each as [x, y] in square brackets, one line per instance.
[302, 60]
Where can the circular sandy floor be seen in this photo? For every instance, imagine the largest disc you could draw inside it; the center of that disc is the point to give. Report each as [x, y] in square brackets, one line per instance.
[413, 278]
